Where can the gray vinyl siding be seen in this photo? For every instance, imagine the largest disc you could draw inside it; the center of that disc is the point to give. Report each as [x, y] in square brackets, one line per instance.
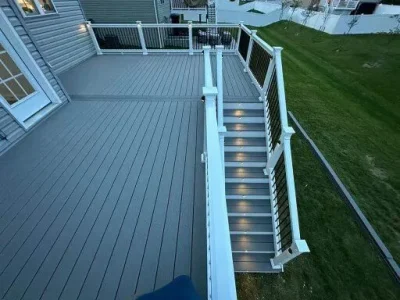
[119, 11]
[62, 38]
[10, 128]
[13, 131]
[164, 11]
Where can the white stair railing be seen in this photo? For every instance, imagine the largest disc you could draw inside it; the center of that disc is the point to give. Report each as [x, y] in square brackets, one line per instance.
[263, 63]
[220, 270]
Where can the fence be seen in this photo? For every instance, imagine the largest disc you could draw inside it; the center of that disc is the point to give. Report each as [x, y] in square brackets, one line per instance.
[220, 271]
[264, 65]
[145, 38]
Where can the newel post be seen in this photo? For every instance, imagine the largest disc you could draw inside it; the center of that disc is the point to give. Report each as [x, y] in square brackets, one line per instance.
[190, 28]
[141, 37]
[239, 35]
[93, 36]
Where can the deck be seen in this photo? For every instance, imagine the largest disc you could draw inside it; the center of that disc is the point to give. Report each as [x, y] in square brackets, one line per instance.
[106, 199]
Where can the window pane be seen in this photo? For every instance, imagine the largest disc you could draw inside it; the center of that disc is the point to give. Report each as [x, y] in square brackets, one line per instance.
[7, 60]
[25, 84]
[47, 6]
[7, 95]
[28, 7]
[4, 74]
[17, 90]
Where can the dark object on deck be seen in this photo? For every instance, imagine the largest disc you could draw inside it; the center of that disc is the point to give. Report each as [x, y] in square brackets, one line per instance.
[181, 288]
[2, 135]
[112, 42]
[226, 38]
[202, 37]
[213, 39]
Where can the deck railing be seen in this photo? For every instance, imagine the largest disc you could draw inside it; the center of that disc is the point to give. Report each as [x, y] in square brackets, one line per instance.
[220, 271]
[264, 65]
[145, 38]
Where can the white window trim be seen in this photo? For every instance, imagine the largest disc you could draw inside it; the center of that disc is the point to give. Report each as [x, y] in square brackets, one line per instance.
[39, 9]
[23, 52]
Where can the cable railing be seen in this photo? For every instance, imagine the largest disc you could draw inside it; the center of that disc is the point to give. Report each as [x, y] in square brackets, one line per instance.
[264, 66]
[220, 271]
[147, 38]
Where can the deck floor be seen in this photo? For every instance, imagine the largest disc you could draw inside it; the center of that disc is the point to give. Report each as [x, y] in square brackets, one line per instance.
[106, 198]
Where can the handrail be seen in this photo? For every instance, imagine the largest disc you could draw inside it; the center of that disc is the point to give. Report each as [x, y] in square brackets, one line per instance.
[221, 279]
[168, 25]
[264, 66]
[147, 38]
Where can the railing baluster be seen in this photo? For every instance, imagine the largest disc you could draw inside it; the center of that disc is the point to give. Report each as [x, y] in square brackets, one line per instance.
[190, 26]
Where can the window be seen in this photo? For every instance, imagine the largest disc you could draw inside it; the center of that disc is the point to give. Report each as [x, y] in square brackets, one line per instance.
[36, 7]
[14, 86]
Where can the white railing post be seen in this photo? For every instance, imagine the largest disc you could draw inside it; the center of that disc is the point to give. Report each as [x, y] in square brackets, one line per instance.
[141, 37]
[239, 35]
[220, 87]
[93, 36]
[220, 270]
[251, 43]
[190, 27]
[298, 247]
[220, 104]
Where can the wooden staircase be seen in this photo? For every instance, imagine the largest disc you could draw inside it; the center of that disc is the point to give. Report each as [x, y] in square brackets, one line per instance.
[247, 187]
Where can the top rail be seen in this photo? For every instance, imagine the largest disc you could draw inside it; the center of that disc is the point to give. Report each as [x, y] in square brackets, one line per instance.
[221, 278]
[166, 25]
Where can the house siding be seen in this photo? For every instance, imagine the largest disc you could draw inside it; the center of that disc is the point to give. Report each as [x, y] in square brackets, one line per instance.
[164, 11]
[119, 11]
[63, 38]
[8, 126]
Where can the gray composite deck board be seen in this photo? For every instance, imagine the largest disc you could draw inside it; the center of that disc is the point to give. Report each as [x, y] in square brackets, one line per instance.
[106, 198]
[109, 189]
[163, 76]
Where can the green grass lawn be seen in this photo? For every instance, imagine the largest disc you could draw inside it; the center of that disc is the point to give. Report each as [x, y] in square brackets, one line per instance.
[344, 91]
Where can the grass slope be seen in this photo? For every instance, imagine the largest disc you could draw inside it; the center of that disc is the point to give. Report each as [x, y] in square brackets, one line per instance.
[344, 91]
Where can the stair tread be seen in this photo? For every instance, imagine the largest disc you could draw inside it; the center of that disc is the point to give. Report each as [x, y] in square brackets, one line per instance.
[244, 120]
[264, 238]
[245, 149]
[245, 141]
[245, 127]
[252, 247]
[246, 180]
[245, 134]
[248, 206]
[254, 263]
[246, 156]
[249, 164]
[239, 112]
[247, 189]
[243, 105]
[251, 197]
[242, 172]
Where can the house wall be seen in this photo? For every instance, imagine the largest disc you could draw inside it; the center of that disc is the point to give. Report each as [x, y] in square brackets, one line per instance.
[119, 11]
[164, 10]
[63, 38]
[383, 9]
[13, 131]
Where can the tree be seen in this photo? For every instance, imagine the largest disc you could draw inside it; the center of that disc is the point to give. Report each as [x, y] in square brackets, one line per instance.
[284, 5]
[327, 13]
[353, 22]
[295, 5]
